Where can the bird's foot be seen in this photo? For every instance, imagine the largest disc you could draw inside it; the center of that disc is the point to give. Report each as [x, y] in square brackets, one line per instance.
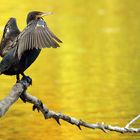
[38, 106]
[28, 79]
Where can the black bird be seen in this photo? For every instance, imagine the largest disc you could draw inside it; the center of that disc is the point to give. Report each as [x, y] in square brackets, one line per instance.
[26, 46]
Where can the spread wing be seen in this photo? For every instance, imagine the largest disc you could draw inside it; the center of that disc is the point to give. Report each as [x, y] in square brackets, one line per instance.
[10, 32]
[36, 35]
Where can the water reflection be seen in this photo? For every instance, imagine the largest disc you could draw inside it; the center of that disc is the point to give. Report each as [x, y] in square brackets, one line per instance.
[94, 75]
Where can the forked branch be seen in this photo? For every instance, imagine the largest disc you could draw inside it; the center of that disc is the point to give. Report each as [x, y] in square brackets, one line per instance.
[19, 90]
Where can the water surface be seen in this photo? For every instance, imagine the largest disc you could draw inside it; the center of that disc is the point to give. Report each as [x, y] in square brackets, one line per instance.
[94, 76]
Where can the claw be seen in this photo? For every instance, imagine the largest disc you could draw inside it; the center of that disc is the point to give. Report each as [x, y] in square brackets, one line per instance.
[29, 80]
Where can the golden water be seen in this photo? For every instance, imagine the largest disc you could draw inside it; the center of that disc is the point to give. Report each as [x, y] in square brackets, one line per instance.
[94, 76]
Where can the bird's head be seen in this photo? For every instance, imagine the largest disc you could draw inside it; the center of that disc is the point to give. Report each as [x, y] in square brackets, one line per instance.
[35, 15]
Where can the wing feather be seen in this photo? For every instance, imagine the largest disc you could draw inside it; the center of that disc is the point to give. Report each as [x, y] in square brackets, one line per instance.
[54, 36]
[36, 35]
[10, 32]
[41, 40]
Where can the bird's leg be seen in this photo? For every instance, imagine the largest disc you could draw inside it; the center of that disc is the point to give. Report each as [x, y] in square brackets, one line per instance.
[23, 75]
[18, 78]
[27, 77]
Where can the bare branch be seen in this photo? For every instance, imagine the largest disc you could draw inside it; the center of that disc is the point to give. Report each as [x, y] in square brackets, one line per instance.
[132, 121]
[13, 96]
[57, 116]
[19, 90]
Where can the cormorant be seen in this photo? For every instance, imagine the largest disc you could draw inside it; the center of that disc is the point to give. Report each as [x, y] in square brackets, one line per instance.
[23, 48]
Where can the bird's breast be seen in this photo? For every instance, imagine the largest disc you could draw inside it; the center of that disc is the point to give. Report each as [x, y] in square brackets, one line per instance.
[19, 66]
[27, 59]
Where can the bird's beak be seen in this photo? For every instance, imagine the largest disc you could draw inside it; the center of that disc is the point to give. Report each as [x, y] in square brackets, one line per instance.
[46, 14]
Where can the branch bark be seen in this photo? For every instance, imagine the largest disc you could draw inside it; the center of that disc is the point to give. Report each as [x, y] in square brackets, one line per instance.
[19, 90]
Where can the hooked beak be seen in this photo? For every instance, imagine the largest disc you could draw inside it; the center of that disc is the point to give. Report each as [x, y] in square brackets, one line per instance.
[46, 14]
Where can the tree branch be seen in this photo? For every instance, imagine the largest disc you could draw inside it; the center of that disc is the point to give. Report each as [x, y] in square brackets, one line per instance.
[19, 90]
[13, 95]
[132, 121]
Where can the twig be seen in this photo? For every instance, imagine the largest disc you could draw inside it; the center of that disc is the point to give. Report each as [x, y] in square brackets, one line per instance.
[19, 90]
[57, 116]
[132, 121]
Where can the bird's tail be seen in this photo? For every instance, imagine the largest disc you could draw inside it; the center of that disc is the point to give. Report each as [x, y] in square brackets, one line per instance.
[7, 61]
[4, 64]
[1, 68]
